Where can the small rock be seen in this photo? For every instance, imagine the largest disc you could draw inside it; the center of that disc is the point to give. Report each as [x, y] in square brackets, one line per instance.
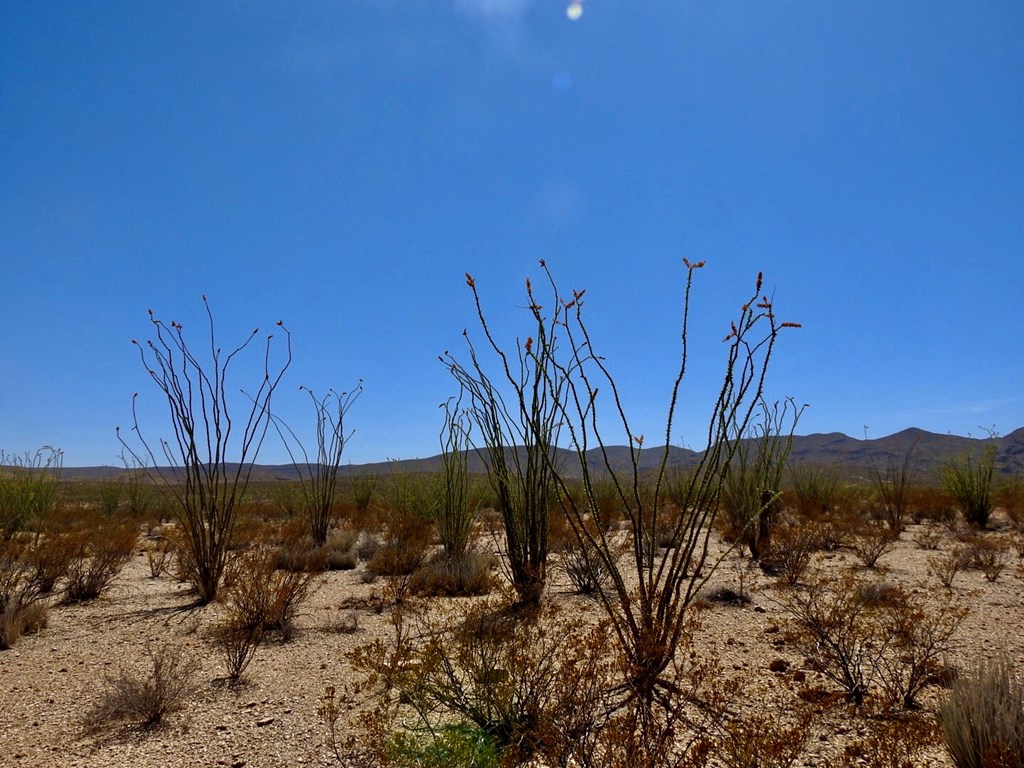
[264, 722]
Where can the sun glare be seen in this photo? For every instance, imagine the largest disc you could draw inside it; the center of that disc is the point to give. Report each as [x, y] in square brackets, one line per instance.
[575, 10]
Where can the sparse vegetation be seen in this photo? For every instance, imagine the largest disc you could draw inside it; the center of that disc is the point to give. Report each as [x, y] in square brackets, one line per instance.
[969, 481]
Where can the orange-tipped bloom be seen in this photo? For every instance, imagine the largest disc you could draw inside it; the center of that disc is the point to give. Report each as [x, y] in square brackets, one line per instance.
[529, 344]
[470, 281]
[760, 279]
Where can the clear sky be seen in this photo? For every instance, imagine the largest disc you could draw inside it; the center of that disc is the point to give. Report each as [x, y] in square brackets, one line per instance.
[340, 164]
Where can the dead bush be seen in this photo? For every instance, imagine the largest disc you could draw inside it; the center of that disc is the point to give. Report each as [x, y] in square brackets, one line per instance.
[929, 537]
[50, 555]
[147, 700]
[793, 545]
[157, 554]
[529, 680]
[986, 553]
[402, 547]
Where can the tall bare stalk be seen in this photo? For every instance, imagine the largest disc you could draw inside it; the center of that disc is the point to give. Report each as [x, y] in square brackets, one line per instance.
[206, 471]
[518, 416]
[554, 379]
[650, 618]
[318, 478]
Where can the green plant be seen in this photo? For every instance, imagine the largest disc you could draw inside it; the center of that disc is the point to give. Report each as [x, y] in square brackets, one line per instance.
[110, 493]
[453, 512]
[148, 700]
[815, 487]
[207, 470]
[750, 495]
[28, 488]
[969, 481]
[982, 718]
[457, 745]
[318, 478]
[891, 484]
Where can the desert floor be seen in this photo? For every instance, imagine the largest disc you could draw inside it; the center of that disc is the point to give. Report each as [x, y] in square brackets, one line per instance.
[50, 679]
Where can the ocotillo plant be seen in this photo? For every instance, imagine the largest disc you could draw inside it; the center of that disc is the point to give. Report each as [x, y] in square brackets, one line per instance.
[206, 469]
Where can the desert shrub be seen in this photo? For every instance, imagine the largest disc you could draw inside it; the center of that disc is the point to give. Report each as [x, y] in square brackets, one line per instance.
[892, 743]
[1010, 497]
[99, 554]
[989, 555]
[750, 496]
[109, 494]
[318, 475]
[458, 745]
[340, 550]
[861, 633]
[969, 481]
[891, 481]
[402, 546]
[263, 598]
[869, 541]
[158, 552]
[931, 503]
[50, 554]
[28, 488]
[815, 488]
[982, 718]
[18, 593]
[946, 566]
[793, 545]
[444, 576]
[528, 680]
[762, 740]
[147, 700]
[238, 645]
[929, 537]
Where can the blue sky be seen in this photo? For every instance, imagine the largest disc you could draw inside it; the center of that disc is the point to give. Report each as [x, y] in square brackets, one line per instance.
[339, 166]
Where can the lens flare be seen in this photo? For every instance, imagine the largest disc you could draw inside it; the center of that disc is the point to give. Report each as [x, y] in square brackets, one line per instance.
[575, 10]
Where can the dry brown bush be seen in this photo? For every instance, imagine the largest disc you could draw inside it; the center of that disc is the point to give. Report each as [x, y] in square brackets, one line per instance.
[865, 634]
[763, 740]
[870, 540]
[261, 597]
[892, 743]
[99, 554]
[444, 576]
[146, 700]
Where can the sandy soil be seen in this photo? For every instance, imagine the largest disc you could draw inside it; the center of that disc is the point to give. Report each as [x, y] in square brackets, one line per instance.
[50, 679]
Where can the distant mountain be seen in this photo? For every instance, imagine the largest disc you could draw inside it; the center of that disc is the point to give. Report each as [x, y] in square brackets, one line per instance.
[853, 456]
